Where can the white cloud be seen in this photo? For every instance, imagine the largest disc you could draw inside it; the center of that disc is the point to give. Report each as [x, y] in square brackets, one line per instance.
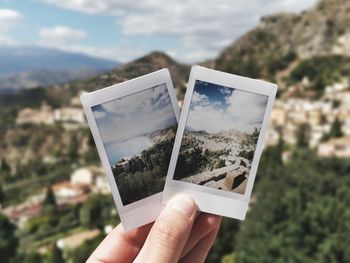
[135, 115]
[203, 28]
[199, 98]
[8, 19]
[69, 39]
[246, 105]
[60, 36]
[99, 114]
[244, 112]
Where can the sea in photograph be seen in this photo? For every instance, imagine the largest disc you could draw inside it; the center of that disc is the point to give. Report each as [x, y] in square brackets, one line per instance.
[117, 151]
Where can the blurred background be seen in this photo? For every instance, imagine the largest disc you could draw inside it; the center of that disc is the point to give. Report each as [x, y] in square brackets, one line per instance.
[55, 202]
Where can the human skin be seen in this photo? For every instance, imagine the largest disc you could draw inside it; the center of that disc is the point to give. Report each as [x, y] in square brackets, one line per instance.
[180, 234]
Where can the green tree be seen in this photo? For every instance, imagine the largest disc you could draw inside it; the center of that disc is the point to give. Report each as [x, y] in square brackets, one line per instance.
[8, 239]
[50, 204]
[335, 131]
[56, 255]
[301, 214]
[32, 257]
[303, 135]
[224, 243]
[2, 194]
[90, 212]
[4, 166]
[82, 253]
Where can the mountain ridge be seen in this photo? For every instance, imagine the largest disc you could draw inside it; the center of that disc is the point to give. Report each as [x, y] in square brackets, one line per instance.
[29, 67]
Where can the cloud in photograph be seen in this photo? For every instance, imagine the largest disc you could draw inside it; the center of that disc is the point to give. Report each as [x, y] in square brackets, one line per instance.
[216, 108]
[135, 115]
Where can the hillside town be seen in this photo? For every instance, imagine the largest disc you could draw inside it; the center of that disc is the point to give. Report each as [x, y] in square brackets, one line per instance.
[289, 113]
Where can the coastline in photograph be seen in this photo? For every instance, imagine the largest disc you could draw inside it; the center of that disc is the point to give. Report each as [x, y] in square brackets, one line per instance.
[138, 133]
[220, 137]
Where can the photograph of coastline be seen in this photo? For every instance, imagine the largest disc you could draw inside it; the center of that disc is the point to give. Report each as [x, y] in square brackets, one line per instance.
[220, 137]
[138, 133]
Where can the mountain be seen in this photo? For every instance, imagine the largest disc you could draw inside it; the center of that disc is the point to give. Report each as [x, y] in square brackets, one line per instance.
[144, 65]
[28, 67]
[280, 42]
[283, 48]
[60, 95]
[163, 134]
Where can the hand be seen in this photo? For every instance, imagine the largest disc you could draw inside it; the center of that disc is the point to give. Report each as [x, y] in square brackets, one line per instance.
[179, 234]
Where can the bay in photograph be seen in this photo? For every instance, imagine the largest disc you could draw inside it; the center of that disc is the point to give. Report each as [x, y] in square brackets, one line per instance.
[119, 150]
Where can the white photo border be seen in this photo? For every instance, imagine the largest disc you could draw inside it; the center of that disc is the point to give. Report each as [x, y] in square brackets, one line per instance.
[208, 199]
[146, 210]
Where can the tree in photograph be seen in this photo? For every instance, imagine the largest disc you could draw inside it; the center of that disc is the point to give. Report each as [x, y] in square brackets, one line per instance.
[8, 239]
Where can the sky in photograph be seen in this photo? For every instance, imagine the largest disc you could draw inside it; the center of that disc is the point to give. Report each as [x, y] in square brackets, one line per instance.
[216, 108]
[123, 30]
[135, 115]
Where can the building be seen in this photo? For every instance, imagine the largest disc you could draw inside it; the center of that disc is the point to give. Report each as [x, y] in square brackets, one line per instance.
[82, 176]
[339, 147]
[42, 116]
[92, 177]
[75, 115]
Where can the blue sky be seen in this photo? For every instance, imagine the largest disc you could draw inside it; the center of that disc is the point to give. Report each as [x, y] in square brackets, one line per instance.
[216, 108]
[124, 30]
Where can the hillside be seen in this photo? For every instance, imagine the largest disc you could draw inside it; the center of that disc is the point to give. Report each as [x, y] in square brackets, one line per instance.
[60, 95]
[28, 67]
[279, 40]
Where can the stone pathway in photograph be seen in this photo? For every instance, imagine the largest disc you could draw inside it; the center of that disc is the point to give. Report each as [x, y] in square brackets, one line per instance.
[229, 178]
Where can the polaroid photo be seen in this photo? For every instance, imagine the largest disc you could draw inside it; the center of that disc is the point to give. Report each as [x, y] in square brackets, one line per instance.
[134, 125]
[219, 141]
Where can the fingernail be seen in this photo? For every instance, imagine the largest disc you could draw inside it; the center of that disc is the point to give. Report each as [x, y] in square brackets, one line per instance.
[184, 204]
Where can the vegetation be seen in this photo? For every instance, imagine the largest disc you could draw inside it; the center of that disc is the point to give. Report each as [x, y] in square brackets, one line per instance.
[335, 131]
[82, 253]
[192, 159]
[56, 255]
[308, 223]
[146, 174]
[8, 239]
[50, 201]
[260, 54]
[321, 71]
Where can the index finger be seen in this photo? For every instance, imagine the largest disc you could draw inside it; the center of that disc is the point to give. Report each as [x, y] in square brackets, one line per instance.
[120, 246]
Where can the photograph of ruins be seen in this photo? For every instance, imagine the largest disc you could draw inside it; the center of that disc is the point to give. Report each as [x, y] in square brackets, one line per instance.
[220, 137]
[138, 133]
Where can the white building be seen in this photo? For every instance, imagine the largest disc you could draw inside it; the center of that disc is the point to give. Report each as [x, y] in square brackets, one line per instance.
[32, 116]
[69, 115]
[82, 176]
[339, 147]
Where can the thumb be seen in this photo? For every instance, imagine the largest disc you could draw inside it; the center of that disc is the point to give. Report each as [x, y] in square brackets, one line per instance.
[170, 232]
